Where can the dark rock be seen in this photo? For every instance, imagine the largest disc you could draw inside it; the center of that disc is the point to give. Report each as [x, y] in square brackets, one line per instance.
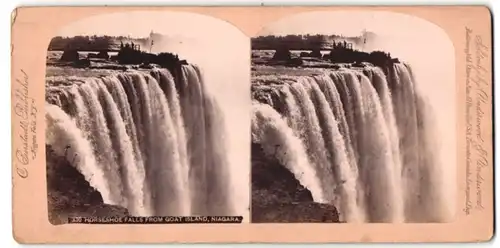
[148, 66]
[316, 53]
[103, 55]
[278, 197]
[357, 58]
[293, 212]
[268, 173]
[69, 194]
[82, 63]
[361, 64]
[130, 56]
[70, 55]
[295, 62]
[91, 55]
[282, 54]
[283, 57]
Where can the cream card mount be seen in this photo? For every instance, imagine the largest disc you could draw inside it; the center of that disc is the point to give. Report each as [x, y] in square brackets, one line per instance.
[252, 124]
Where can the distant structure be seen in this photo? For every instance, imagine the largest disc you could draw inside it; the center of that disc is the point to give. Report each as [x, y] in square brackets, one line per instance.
[130, 46]
[342, 45]
[368, 38]
[151, 35]
[153, 40]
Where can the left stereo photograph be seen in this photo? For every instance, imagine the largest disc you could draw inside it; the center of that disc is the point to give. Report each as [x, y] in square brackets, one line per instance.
[145, 119]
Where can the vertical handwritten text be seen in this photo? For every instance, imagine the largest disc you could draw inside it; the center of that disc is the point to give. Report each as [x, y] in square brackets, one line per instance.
[25, 110]
[476, 98]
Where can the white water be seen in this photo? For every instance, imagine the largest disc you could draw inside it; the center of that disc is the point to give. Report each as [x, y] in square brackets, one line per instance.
[271, 131]
[365, 139]
[62, 131]
[144, 143]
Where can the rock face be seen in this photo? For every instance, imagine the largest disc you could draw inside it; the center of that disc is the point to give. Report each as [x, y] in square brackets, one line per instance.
[131, 56]
[316, 53]
[278, 197]
[282, 54]
[69, 194]
[70, 55]
[103, 55]
[377, 58]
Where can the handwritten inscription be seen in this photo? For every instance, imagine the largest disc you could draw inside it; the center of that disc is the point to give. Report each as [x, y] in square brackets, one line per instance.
[477, 98]
[25, 109]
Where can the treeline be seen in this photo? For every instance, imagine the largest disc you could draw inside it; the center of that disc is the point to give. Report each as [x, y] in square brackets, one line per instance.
[91, 43]
[300, 42]
[339, 55]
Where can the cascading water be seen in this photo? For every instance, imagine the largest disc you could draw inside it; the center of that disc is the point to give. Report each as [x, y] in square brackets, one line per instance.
[355, 138]
[147, 141]
[277, 140]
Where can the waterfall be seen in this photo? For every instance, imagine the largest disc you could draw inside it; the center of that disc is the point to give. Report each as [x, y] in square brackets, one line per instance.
[62, 131]
[150, 141]
[357, 139]
[269, 129]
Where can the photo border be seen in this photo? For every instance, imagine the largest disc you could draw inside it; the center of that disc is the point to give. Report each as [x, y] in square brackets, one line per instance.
[32, 29]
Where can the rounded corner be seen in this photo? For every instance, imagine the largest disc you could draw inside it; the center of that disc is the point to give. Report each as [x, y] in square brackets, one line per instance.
[491, 235]
[488, 10]
[17, 237]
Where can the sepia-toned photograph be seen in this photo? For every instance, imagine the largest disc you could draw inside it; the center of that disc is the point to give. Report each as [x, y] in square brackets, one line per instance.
[352, 119]
[256, 124]
[143, 118]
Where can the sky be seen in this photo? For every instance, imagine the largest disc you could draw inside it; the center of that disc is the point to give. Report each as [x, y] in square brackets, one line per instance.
[315, 23]
[140, 24]
[217, 47]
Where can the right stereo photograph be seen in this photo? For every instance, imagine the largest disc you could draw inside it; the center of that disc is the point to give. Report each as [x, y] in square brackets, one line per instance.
[353, 120]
